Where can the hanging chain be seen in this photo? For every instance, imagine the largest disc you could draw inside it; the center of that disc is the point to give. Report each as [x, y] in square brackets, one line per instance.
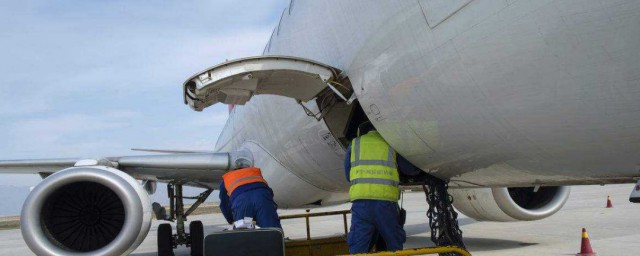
[443, 219]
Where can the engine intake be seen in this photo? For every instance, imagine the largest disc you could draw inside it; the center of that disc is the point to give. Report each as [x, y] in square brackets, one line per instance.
[510, 204]
[93, 210]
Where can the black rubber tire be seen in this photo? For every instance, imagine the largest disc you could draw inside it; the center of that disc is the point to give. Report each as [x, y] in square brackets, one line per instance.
[165, 240]
[197, 238]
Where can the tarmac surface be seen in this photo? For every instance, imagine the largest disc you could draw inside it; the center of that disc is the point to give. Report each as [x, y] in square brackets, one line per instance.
[612, 231]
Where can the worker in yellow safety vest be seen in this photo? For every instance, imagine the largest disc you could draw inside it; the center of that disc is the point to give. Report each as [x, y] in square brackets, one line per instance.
[372, 168]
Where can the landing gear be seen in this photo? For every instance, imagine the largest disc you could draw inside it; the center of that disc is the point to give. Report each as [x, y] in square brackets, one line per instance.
[443, 219]
[197, 238]
[167, 241]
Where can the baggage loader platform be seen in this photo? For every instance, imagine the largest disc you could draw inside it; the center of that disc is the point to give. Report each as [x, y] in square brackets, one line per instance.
[271, 242]
[333, 245]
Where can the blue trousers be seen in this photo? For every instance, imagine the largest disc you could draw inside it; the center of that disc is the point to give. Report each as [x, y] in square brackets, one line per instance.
[371, 216]
[257, 204]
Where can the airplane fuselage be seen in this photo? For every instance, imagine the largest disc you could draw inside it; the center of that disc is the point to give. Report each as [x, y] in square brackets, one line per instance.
[481, 93]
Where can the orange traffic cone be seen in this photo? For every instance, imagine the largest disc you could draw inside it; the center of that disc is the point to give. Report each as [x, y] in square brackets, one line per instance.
[585, 246]
[609, 204]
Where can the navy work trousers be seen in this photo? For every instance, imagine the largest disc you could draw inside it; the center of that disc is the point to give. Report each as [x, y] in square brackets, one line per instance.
[257, 204]
[371, 216]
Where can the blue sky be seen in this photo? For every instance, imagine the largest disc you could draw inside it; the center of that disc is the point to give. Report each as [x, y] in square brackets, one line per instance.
[96, 78]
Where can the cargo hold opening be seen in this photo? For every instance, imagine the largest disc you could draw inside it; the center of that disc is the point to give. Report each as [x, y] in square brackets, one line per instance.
[342, 118]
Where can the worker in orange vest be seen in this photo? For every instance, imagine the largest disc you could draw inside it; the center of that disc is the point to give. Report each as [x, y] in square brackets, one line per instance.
[245, 193]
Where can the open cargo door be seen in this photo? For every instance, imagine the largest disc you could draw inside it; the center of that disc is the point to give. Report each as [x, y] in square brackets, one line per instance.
[236, 81]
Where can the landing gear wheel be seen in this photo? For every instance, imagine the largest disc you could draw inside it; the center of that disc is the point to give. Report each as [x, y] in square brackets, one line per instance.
[197, 238]
[165, 240]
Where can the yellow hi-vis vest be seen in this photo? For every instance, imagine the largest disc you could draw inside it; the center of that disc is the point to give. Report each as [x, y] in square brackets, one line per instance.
[374, 173]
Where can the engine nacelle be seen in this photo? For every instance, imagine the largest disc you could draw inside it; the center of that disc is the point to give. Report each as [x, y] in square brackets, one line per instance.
[509, 204]
[92, 210]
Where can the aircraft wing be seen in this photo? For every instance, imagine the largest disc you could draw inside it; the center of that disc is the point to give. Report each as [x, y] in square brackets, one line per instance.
[190, 167]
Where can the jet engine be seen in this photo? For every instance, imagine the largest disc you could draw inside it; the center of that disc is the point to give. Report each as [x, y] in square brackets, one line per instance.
[510, 204]
[93, 210]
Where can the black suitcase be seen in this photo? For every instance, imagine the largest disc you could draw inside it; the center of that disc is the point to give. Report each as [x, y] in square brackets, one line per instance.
[245, 242]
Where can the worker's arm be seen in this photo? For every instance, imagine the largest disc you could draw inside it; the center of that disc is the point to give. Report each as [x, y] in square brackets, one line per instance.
[347, 162]
[405, 167]
[225, 205]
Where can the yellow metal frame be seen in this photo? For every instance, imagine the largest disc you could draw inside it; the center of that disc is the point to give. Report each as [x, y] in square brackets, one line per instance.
[420, 251]
[308, 215]
[406, 252]
[318, 246]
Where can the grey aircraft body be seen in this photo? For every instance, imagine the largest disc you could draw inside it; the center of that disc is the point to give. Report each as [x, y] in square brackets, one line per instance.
[508, 100]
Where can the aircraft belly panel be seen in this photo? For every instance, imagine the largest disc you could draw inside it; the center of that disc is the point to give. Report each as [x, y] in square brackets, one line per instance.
[290, 188]
[522, 90]
[299, 142]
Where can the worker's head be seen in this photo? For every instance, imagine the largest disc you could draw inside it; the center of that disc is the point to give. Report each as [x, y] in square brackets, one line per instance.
[365, 127]
[242, 162]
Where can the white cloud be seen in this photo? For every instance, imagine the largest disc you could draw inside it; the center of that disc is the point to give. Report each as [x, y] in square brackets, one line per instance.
[63, 134]
[213, 118]
[66, 124]
[15, 104]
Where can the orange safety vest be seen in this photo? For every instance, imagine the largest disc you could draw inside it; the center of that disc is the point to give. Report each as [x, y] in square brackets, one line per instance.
[237, 178]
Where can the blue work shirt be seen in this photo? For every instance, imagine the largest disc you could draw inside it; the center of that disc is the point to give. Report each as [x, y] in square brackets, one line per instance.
[404, 166]
[226, 202]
